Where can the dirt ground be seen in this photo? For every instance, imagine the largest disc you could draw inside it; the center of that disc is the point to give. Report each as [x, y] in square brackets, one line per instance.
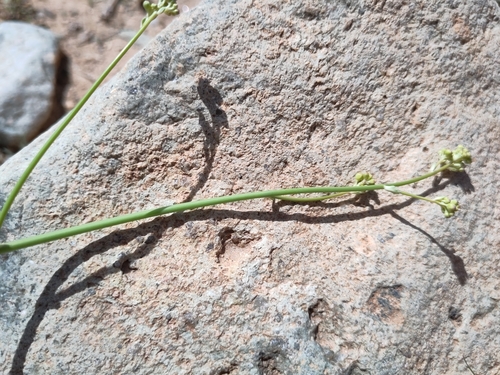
[91, 32]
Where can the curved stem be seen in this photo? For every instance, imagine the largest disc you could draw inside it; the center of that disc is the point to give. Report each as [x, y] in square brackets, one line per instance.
[17, 187]
[420, 178]
[101, 224]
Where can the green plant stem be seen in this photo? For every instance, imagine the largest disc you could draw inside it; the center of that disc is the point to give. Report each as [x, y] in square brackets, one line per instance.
[17, 187]
[332, 196]
[96, 225]
[68, 232]
[310, 199]
[414, 196]
[418, 178]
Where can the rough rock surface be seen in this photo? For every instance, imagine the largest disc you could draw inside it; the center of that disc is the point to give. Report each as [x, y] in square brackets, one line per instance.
[242, 95]
[28, 67]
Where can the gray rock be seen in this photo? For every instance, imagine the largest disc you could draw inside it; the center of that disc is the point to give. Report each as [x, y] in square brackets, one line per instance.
[30, 55]
[234, 97]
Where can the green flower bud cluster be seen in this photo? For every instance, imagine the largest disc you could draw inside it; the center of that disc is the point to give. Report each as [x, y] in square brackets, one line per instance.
[169, 7]
[448, 206]
[363, 179]
[456, 159]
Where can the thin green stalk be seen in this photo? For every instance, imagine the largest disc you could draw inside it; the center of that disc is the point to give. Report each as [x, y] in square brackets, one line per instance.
[310, 199]
[420, 178]
[101, 224]
[414, 196]
[12, 196]
[332, 196]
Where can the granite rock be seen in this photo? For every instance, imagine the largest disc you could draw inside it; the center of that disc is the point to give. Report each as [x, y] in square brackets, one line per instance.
[237, 96]
[28, 67]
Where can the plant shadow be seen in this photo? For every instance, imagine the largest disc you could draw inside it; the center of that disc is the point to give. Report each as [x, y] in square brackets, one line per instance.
[149, 234]
[457, 263]
[212, 100]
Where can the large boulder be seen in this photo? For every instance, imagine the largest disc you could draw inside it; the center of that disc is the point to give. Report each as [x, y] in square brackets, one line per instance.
[30, 57]
[239, 96]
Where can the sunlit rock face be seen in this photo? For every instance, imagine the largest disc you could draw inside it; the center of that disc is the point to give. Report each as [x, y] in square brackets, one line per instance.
[236, 96]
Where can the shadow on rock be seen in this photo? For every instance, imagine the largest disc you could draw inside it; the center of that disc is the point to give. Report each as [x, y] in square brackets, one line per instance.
[211, 130]
[457, 263]
[152, 231]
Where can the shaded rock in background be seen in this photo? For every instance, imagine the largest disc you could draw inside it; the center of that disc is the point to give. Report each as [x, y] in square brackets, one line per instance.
[29, 63]
[233, 98]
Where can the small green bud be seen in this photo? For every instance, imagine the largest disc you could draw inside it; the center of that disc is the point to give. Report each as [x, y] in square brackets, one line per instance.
[462, 155]
[363, 179]
[149, 11]
[147, 7]
[448, 206]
